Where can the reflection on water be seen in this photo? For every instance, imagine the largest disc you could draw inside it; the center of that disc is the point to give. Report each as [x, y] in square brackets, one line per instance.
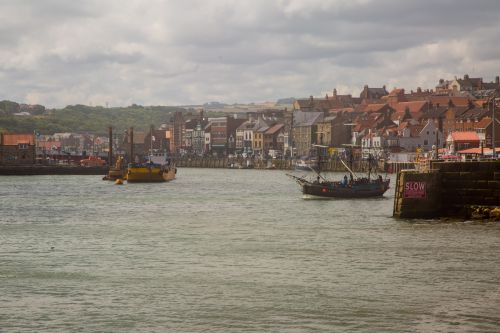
[234, 250]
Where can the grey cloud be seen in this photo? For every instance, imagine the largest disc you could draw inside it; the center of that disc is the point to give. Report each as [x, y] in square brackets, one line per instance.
[193, 51]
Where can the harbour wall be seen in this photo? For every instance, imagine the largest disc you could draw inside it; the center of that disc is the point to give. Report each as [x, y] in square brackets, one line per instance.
[279, 164]
[30, 170]
[448, 189]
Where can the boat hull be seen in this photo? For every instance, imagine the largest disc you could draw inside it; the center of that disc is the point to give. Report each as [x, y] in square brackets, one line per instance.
[114, 174]
[337, 190]
[150, 175]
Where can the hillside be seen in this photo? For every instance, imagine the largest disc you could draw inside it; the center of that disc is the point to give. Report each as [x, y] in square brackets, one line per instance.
[24, 118]
[81, 118]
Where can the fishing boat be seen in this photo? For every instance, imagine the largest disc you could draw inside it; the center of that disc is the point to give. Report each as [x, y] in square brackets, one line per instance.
[158, 168]
[349, 187]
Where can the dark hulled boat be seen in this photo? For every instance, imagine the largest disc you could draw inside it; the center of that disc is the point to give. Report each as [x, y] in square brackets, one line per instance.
[352, 187]
[355, 188]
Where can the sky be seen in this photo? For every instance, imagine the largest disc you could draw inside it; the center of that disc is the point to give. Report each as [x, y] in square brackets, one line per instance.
[189, 52]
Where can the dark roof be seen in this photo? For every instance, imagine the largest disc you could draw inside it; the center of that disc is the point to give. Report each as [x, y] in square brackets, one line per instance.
[473, 113]
[246, 125]
[435, 112]
[460, 110]
[324, 104]
[275, 129]
[301, 118]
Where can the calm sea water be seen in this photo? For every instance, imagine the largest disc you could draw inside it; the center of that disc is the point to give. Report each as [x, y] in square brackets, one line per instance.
[234, 251]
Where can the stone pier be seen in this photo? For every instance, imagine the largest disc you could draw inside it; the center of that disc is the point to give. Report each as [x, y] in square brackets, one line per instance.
[448, 189]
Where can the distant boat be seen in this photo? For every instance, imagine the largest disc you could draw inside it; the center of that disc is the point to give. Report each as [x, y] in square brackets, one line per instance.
[348, 187]
[92, 161]
[305, 165]
[117, 171]
[158, 168]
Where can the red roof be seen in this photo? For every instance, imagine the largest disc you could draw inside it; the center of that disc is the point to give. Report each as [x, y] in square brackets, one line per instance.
[443, 100]
[464, 136]
[485, 151]
[415, 106]
[483, 123]
[373, 107]
[15, 139]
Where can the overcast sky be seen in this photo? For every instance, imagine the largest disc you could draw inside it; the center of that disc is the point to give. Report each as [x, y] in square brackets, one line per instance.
[178, 52]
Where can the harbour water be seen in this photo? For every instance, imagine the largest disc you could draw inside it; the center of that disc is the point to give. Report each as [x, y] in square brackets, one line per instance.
[234, 251]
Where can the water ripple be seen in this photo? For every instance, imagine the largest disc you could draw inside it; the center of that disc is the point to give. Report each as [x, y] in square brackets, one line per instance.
[237, 251]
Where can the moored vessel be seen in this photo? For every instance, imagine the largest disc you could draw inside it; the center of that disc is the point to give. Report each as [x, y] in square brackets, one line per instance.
[151, 171]
[349, 187]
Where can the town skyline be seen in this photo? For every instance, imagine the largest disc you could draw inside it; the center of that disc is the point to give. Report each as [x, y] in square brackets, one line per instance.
[188, 53]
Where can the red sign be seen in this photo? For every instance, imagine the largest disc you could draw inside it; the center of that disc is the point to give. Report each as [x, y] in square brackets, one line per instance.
[414, 190]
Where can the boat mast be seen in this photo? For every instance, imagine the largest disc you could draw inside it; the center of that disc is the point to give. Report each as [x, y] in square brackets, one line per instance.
[318, 169]
[369, 164]
[131, 133]
[151, 143]
[110, 150]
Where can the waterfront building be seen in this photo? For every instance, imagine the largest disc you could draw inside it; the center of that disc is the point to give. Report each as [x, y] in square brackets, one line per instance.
[413, 135]
[16, 149]
[305, 130]
[223, 134]
[462, 140]
[244, 137]
[198, 141]
[258, 140]
[272, 138]
[178, 132]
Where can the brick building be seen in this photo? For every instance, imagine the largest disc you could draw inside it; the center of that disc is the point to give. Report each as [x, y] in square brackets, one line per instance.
[17, 149]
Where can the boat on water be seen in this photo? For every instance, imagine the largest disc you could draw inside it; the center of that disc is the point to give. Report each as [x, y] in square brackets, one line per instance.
[158, 168]
[92, 161]
[305, 165]
[349, 187]
[117, 171]
[362, 187]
